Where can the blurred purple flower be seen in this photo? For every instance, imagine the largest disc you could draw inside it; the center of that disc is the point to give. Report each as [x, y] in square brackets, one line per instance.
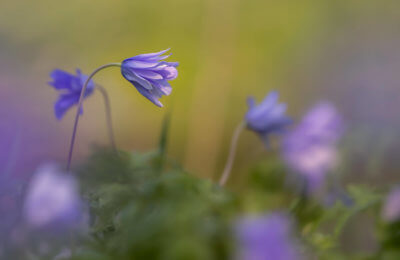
[52, 200]
[310, 149]
[150, 75]
[268, 117]
[70, 87]
[391, 208]
[265, 237]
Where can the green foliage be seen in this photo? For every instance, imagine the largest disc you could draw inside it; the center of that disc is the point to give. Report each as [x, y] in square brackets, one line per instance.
[323, 231]
[141, 209]
[320, 225]
[391, 237]
[140, 212]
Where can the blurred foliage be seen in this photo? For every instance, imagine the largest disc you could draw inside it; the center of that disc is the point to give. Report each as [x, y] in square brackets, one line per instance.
[140, 212]
[141, 208]
[146, 206]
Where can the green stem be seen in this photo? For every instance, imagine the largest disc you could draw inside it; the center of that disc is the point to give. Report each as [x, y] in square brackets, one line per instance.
[71, 147]
[232, 152]
[344, 220]
[108, 116]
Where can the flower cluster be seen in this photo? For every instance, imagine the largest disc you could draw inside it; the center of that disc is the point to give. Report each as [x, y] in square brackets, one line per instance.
[148, 73]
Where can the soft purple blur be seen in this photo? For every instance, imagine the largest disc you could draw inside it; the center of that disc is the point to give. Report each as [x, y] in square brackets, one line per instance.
[391, 208]
[70, 88]
[310, 149]
[267, 117]
[265, 237]
[52, 200]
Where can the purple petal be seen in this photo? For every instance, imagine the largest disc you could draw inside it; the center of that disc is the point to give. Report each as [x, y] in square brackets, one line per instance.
[169, 73]
[148, 74]
[265, 237]
[139, 64]
[61, 79]
[270, 99]
[52, 199]
[132, 76]
[163, 86]
[64, 103]
[267, 117]
[152, 55]
[151, 95]
[391, 208]
[310, 149]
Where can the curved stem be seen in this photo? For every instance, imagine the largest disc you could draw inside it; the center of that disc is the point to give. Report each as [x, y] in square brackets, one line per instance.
[232, 152]
[108, 116]
[71, 147]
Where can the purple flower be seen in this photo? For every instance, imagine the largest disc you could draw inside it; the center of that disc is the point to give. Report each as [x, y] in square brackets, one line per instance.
[150, 75]
[310, 149]
[52, 200]
[391, 208]
[268, 117]
[265, 237]
[70, 87]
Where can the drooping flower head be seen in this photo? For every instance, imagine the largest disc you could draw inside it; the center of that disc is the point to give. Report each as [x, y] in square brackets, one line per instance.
[391, 208]
[70, 87]
[149, 74]
[267, 117]
[310, 149]
[265, 237]
[52, 200]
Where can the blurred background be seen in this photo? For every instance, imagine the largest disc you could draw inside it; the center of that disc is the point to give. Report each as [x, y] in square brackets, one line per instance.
[344, 51]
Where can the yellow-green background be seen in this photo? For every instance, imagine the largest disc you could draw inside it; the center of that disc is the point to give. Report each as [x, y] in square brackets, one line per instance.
[344, 51]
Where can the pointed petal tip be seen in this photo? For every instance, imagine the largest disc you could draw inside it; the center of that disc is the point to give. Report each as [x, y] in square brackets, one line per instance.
[53, 73]
[58, 113]
[159, 104]
[274, 93]
[251, 101]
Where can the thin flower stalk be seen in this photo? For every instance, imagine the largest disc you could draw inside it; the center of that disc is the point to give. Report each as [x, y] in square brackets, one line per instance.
[232, 152]
[107, 107]
[71, 147]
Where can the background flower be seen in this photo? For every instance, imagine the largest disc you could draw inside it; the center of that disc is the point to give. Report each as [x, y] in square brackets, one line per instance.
[265, 237]
[70, 87]
[150, 75]
[310, 149]
[391, 208]
[267, 117]
[52, 200]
